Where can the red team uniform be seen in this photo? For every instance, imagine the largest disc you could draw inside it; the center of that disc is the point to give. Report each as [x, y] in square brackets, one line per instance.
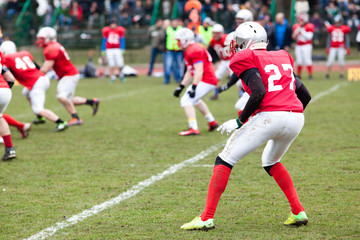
[218, 46]
[3, 83]
[62, 66]
[113, 36]
[113, 44]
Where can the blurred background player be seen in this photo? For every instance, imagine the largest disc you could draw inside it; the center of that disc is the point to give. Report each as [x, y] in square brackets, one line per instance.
[303, 33]
[57, 58]
[243, 15]
[217, 44]
[113, 45]
[272, 115]
[6, 82]
[200, 72]
[337, 45]
[34, 81]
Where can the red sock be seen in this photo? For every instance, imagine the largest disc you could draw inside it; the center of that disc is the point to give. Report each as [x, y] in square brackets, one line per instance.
[7, 141]
[309, 68]
[13, 122]
[283, 179]
[217, 186]
[299, 68]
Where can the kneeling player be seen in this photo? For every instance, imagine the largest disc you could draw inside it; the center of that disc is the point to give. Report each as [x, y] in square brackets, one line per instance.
[201, 72]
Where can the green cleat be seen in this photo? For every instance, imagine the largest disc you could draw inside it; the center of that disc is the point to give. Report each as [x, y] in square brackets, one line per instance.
[296, 220]
[39, 120]
[61, 127]
[198, 224]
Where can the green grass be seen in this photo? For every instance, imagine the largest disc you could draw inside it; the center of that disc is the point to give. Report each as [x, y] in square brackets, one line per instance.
[134, 136]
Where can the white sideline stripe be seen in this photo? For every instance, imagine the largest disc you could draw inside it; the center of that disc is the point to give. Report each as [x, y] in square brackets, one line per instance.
[204, 165]
[123, 196]
[102, 99]
[331, 90]
[141, 185]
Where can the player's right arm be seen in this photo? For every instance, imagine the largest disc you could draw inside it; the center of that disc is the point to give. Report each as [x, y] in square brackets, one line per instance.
[48, 64]
[8, 76]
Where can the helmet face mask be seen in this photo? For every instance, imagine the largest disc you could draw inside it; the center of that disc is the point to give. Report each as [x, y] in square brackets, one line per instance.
[44, 36]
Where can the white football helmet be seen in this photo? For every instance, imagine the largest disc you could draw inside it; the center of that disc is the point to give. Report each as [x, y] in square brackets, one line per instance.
[45, 35]
[218, 28]
[185, 36]
[8, 47]
[229, 38]
[303, 17]
[245, 14]
[249, 35]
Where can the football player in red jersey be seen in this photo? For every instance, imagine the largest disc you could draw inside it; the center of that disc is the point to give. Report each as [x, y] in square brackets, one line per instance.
[34, 81]
[113, 45]
[303, 33]
[57, 58]
[23, 128]
[272, 115]
[200, 72]
[338, 44]
[6, 82]
[217, 43]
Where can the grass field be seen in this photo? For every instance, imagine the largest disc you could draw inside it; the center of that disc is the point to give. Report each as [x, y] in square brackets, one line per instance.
[134, 137]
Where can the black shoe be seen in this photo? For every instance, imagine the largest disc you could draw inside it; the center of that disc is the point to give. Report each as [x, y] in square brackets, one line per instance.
[310, 77]
[9, 154]
[341, 77]
[327, 77]
[39, 120]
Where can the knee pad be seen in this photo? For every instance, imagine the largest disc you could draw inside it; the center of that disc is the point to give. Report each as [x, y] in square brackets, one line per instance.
[219, 161]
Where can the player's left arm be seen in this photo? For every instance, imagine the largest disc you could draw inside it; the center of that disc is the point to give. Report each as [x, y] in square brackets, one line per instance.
[8, 76]
[48, 64]
[302, 92]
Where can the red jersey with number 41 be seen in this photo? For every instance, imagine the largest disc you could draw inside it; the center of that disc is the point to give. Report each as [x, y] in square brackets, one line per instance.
[277, 73]
[3, 83]
[23, 68]
[113, 36]
[337, 35]
[197, 53]
[62, 66]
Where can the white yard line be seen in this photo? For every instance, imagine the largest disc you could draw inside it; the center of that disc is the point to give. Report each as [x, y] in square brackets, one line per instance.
[146, 183]
[123, 196]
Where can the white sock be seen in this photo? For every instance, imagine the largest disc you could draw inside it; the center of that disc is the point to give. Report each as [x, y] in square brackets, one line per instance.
[193, 123]
[209, 117]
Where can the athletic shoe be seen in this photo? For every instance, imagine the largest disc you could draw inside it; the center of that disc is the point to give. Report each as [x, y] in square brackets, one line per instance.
[122, 78]
[214, 97]
[198, 224]
[95, 106]
[296, 220]
[9, 154]
[25, 130]
[310, 77]
[39, 120]
[112, 79]
[189, 132]
[327, 77]
[61, 127]
[75, 121]
[212, 126]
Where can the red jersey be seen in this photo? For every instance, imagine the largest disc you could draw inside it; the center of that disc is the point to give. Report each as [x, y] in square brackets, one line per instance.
[113, 36]
[23, 68]
[218, 46]
[197, 53]
[62, 66]
[337, 35]
[306, 33]
[277, 73]
[3, 83]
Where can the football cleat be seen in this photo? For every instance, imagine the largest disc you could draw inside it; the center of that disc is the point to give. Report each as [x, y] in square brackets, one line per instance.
[296, 220]
[61, 127]
[75, 121]
[95, 106]
[39, 120]
[214, 97]
[189, 132]
[122, 78]
[9, 154]
[212, 126]
[198, 224]
[25, 130]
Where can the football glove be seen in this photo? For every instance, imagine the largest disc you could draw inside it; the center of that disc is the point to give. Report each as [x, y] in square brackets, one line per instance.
[192, 91]
[223, 88]
[178, 90]
[230, 126]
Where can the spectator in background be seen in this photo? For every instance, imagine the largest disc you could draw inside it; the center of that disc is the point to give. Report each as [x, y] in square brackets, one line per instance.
[173, 56]
[358, 39]
[138, 13]
[331, 11]
[94, 13]
[125, 16]
[114, 9]
[353, 22]
[76, 13]
[205, 30]
[64, 15]
[228, 18]
[149, 6]
[197, 37]
[154, 33]
[317, 21]
[280, 37]
[12, 9]
[181, 8]
[301, 6]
